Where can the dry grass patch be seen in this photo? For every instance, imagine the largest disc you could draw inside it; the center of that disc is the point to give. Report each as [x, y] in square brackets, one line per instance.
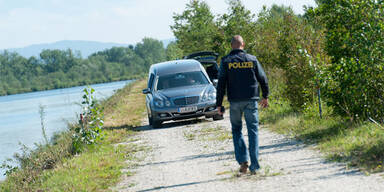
[125, 108]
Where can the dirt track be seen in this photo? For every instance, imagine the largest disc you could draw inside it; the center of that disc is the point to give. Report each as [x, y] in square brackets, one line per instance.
[198, 156]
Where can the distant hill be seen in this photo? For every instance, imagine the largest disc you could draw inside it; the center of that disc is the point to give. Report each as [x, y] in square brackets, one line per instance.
[86, 48]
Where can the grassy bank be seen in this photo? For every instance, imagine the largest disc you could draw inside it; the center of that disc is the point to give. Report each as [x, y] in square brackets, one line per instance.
[54, 167]
[358, 144]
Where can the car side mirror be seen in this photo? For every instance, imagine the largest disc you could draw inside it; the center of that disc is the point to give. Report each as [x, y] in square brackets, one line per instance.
[215, 81]
[146, 91]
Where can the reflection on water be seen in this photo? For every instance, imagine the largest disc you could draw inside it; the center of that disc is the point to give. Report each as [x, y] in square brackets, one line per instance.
[20, 119]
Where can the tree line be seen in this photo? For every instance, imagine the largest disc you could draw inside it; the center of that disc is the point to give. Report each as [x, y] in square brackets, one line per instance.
[336, 47]
[65, 68]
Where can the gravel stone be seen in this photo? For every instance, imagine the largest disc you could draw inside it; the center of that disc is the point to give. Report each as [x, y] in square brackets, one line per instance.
[186, 158]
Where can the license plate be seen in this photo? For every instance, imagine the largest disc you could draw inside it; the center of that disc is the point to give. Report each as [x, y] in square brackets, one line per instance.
[187, 109]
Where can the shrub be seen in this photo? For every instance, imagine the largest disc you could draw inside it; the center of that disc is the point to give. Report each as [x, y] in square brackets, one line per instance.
[291, 44]
[355, 41]
[89, 130]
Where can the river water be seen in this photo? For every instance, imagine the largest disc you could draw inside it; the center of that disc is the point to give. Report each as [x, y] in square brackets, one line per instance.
[20, 119]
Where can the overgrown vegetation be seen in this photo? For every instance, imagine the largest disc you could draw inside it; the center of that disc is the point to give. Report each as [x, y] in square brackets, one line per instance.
[335, 49]
[59, 69]
[354, 80]
[54, 166]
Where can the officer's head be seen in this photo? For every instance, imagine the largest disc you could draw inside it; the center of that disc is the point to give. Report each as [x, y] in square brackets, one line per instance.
[237, 42]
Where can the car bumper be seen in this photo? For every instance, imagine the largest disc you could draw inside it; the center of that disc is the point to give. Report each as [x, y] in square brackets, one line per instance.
[172, 113]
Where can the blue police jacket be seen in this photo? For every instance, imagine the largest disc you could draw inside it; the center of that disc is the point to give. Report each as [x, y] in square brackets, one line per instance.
[240, 74]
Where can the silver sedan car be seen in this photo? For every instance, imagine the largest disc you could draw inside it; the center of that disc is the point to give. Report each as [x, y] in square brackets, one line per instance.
[179, 89]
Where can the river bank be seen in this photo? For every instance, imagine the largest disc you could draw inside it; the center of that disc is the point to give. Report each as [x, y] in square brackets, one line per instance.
[95, 169]
[20, 121]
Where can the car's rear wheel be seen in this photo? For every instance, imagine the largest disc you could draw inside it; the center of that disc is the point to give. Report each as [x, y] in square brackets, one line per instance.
[218, 117]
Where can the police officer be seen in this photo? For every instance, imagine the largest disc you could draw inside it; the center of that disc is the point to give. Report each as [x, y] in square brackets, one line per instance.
[240, 74]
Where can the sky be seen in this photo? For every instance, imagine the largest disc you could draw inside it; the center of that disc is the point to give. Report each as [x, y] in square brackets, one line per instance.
[27, 22]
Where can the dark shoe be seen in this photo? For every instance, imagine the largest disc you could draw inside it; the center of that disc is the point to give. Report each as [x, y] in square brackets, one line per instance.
[243, 167]
[255, 172]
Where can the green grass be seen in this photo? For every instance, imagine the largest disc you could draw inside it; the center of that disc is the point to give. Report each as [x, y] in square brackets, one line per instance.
[358, 144]
[189, 136]
[95, 170]
[125, 108]
[217, 133]
[221, 136]
[54, 168]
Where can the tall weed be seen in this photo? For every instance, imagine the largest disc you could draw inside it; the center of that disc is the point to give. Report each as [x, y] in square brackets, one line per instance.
[89, 130]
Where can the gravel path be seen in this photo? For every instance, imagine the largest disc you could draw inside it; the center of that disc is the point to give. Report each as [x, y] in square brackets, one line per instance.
[198, 156]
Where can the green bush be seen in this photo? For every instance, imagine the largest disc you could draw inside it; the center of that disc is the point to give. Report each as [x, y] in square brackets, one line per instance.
[288, 42]
[90, 128]
[354, 81]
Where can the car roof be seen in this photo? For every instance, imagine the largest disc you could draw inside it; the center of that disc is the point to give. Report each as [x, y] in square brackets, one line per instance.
[176, 66]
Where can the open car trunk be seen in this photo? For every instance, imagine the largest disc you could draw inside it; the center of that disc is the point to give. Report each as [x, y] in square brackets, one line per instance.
[209, 61]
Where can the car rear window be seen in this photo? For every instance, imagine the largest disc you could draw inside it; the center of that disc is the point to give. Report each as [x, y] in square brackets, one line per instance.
[181, 80]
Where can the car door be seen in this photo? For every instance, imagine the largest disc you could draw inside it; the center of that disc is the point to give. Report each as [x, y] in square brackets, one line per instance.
[149, 96]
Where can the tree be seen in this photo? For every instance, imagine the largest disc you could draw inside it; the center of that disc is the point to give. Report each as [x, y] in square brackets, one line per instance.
[58, 68]
[289, 44]
[194, 28]
[55, 60]
[239, 21]
[355, 41]
[173, 51]
[151, 51]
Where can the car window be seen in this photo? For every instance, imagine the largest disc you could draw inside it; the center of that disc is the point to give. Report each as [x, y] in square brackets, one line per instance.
[150, 81]
[181, 80]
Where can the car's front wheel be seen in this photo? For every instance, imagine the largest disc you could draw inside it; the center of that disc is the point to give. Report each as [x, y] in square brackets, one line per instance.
[156, 123]
[149, 120]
